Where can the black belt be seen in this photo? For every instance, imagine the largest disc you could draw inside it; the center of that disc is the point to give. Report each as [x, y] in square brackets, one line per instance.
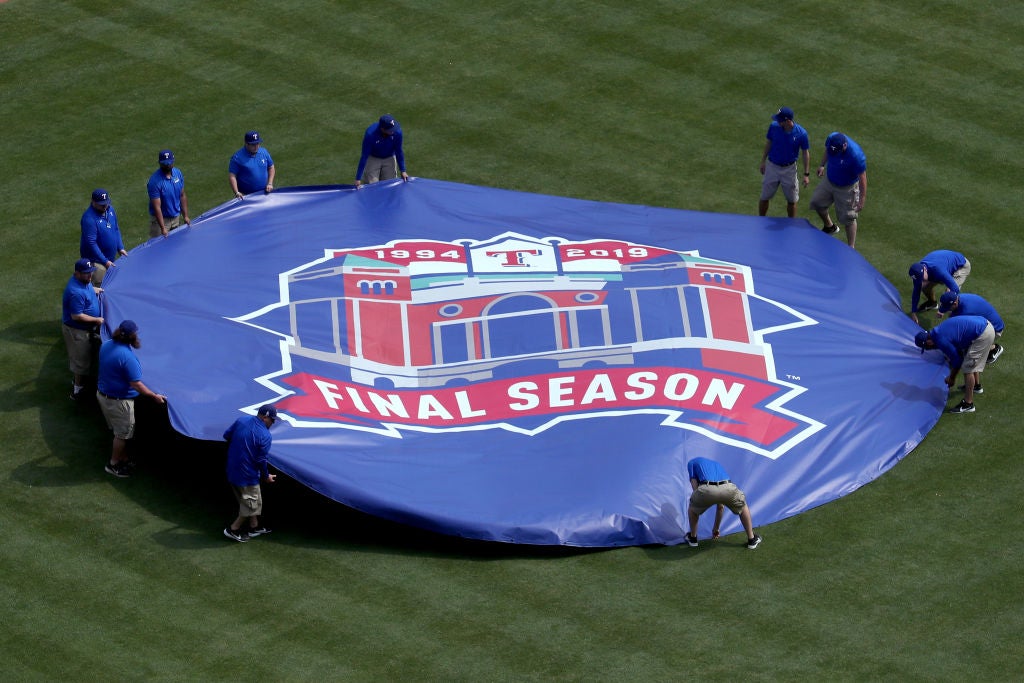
[785, 165]
[714, 483]
[112, 398]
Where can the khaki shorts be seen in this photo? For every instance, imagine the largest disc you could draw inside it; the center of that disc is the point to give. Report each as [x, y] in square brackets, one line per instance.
[378, 168]
[250, 500]
[97, 275]
[169, 223]
[81, 345]
[774, 176]
[845, 199]
[728, 495]
[959, 277]
[977, 353]
[119, 414]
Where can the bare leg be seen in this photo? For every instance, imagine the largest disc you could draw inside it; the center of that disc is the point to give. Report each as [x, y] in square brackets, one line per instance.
[851, 234]
[762, 207]
[748, 524]
[119, 452]
[790, 209]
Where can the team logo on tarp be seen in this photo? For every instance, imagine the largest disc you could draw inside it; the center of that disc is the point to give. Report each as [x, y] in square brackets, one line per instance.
[520, 334]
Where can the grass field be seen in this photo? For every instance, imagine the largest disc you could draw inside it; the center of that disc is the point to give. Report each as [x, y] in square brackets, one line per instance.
[913, 577]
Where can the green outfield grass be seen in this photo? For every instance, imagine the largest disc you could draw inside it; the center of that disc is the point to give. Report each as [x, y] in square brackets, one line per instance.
[916, 576]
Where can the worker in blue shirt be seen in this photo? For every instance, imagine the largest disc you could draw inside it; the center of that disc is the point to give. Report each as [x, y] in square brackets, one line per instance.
[711, 486]
[844, 174]
[251, 168]
[382, 157]
[81, 320]
[971, 304]
[786, 143]
[168, 201]
[965, 342]
[101, 240]
[945, 267]
[249, 442]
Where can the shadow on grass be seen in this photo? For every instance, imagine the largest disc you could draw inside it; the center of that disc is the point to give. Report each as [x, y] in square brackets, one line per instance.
[182, 481]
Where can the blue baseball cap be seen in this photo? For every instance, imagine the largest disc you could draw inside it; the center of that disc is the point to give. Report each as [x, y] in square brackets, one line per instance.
[166, 157]
[84, 265]
[101, 197]
[128, 327]
[253, 138]
[920, 339]
[268, 411]
[387, 122]
[835, 142]
[783, 114]
[947, 300]
[916, 271]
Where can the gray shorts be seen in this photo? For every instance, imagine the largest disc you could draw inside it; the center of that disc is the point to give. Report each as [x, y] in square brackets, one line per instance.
[784, 176]
[81, 346]
[380, 168]
[977, 353]
[250, 500]
[845, 199]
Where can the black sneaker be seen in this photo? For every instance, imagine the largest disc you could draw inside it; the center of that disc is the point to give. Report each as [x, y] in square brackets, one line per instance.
[978, 389]
[830, 229]
[239, 535]
[119, 470]
[690, 540]
[754, 542]
[962, 407]
[928, 306]
[259, 531]
[994, 354]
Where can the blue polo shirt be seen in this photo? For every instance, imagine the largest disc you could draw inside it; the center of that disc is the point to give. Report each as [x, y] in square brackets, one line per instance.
[703, 469]
[101, 236]
[80, 297]
[382, 146]
[954, 336]
[167, 190]
[251, 170]
[248, 447]
[785, 147]
[845, 168]
[941, 265]
[972, 304]
[119, 367]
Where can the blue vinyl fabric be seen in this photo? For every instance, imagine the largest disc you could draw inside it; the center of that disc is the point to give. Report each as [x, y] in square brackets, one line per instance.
[532, 369]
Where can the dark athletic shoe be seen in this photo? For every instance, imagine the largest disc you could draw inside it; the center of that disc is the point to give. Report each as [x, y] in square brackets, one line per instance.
[754, 542]
[994, 354]
[239, 535]
[927, 306]
[962, 407]
[119, 470]
[259, 531]
[690, 540]
[830, 229]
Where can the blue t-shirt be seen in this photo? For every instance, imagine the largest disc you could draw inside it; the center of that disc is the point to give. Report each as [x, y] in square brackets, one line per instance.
[954, 336]
[119, 367]
[845, 168]
[248, 447]
[703, 469]
[785, 147]
[972, 304]
[941, 265]
[251, 170]
[383, 146]
[101, 236]
[167, 190]
[80, 297]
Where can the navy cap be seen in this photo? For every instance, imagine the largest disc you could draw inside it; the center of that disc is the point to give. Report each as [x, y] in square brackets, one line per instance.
[253, 137]
[835, 143]
[128, 327]
[84, 265]
[101, 197]
[166, 157]
[783, 114]
[268, 411]
[947, 300]
[916, 271]
[387, 122]
[920, 338]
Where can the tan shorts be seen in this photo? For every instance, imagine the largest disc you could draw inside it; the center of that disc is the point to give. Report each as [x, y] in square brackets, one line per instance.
[119, 414]
[81, 346]
[169, 223]
[250, 500]
[784, 176]
[845, 199]
[97, 275]
[728, 495]
[977, 353]
[378, 168]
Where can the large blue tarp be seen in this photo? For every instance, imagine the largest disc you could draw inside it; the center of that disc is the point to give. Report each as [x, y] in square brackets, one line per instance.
[531, 369]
